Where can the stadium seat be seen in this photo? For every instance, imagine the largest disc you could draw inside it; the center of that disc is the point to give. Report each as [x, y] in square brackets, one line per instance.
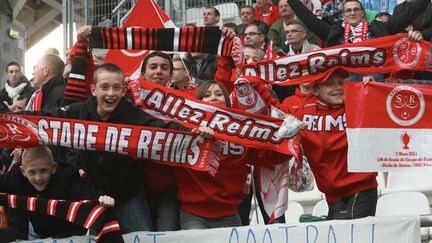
[320, 209]
[293, 212]
[409, 181]
[306, 199]
[229, 13]
[402, 204]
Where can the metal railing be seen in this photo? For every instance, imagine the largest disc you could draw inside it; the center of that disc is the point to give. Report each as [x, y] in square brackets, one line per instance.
[114, 12]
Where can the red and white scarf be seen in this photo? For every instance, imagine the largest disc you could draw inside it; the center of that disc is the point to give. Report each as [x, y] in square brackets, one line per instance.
[164, 146]
[355, 34]
[85, 213]
[379, 55]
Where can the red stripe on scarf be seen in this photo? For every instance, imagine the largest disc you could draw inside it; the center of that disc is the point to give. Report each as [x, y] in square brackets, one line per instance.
[52, 207]
[93, 215]
[73, 209]
[31, 204]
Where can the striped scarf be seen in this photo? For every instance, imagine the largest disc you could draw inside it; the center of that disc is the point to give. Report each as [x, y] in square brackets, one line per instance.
[185, 39]
[85, 213]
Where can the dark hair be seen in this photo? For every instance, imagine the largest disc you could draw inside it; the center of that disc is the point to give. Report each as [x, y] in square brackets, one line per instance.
[108, 67]
[215, 10]
[156, 54]
[231, 25]
[184, 62]
[205, 85]
[13, 63]
[260, 30]
[357, 1]
[24, 96]
[381, 14]
[248, 6]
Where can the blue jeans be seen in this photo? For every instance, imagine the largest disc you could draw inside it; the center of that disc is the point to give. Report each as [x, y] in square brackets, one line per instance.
[134, 215]
[165, 211]
[190, 221]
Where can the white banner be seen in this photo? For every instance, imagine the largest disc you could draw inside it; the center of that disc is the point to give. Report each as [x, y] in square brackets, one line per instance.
[367, 230]
[393, 149]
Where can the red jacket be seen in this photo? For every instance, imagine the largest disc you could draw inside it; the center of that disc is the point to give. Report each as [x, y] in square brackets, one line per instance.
[203, 195]
[325, 144]
[295, 101]
[270, 17]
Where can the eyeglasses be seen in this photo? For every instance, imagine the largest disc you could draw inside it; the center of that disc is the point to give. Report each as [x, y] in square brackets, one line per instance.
[251, 34]
[292, 31]
[352, 10]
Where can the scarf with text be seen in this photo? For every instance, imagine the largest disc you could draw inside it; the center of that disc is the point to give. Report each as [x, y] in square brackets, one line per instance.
[232, 125]
[85, 213]
[168, 147]
[380, 55]
[185, 39]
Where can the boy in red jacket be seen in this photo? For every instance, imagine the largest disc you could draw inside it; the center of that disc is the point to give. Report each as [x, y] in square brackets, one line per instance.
[349, 195]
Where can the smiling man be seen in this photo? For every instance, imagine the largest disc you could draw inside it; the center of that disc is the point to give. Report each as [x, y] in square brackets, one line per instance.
[355, 27]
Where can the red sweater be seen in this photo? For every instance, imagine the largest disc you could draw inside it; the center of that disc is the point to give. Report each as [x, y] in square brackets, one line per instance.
[295, 101]
[212, 197]
[268, 18]
[325, 144]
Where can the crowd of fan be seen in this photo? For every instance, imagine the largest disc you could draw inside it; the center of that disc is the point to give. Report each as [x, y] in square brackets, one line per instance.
[152, 197]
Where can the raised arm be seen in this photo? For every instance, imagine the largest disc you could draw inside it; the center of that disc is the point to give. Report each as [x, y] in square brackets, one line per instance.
[312, 22]
[400, 21]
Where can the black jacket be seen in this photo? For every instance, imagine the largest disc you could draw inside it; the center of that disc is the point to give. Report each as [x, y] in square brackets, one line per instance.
[333, 35]
[64, 184]
[28, 90]
[118, 175]
[423, 21]
[53, 93]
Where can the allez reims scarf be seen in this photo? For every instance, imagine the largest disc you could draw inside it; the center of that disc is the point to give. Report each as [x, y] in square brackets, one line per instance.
[232, 125]
[164, 146]
[85, 213]
[380, 55]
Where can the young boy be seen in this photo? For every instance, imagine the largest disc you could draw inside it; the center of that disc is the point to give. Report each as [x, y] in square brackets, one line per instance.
[40, 176]
[118, 175]
[324, 141]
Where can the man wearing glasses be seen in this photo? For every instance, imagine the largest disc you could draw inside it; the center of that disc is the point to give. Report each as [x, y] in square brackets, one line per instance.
[296, 41]
[355, 28]
[254, 36]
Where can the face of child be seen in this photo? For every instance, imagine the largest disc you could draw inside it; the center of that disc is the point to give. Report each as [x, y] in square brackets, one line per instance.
[215, 95]
[332, 91]
[38, 172]
[109, 89]
[158, 70]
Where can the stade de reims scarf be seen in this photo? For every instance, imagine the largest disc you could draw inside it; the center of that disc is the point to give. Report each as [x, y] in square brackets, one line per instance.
[85, 213]
[168, 147]
[185, 39]
[380, 55]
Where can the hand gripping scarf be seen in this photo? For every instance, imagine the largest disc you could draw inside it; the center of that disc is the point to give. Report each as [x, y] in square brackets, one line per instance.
[85, 213]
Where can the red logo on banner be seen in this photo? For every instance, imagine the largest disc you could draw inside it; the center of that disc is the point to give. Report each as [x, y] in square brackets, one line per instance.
[405, 140]
[406, 53]
[16, 129]
[405, 105]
